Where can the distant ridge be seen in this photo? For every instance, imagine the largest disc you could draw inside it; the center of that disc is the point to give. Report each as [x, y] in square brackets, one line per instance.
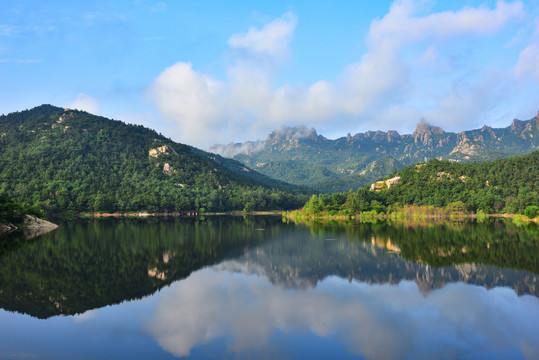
[301, 156]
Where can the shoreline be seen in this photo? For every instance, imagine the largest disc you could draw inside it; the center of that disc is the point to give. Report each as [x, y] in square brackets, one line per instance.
[187, 214]
[290, 215]
[298, 216]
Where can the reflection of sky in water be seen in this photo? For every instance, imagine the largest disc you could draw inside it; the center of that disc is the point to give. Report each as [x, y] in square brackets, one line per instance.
[111, 332]
[216, 314]
[378, 321]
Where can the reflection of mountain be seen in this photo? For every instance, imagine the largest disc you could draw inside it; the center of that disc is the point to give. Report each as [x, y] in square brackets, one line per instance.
[88, 264]
[301, 260]
[245, 314]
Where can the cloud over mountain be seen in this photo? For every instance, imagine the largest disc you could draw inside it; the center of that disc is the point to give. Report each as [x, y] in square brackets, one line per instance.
[390, 86]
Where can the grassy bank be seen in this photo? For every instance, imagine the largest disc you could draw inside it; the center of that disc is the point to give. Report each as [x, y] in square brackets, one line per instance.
[407, 213]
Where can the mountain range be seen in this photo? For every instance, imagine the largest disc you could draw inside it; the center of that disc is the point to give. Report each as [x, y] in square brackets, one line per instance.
[300, 156]
[65, 160]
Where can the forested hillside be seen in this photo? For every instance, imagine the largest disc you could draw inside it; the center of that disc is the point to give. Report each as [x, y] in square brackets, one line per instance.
[505, 185]
[68, 160]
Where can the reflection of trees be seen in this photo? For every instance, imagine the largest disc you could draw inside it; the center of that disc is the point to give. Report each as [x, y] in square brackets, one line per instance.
[499, 243]
[381, 253]
[92, 263]
[87, 264]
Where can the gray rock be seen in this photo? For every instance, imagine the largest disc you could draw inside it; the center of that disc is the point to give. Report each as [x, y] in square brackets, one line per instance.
[32, 222]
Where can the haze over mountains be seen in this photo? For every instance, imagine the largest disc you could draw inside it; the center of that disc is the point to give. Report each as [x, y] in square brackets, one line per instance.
[301, 156]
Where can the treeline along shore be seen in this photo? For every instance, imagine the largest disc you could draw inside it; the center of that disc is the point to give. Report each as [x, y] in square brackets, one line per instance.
[506, 187]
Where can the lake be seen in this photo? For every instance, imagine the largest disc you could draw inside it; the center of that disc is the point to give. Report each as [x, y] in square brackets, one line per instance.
[257, 287]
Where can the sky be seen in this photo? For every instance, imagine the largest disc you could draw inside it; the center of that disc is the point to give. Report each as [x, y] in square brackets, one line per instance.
[207, 72]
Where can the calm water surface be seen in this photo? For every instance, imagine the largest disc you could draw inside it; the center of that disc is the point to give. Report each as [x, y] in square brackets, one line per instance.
[232, 287]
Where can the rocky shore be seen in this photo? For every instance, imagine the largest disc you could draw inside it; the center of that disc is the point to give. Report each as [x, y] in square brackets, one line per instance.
[28, 222]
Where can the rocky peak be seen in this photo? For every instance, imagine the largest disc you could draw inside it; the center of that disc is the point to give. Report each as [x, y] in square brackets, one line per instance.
[517, 126]
[488, 130]
[392, 135]
[424, 131]
[423, 127]
[536, 121]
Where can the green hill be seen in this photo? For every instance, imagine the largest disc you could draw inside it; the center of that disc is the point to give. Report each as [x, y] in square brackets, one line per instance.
[508, 185]
[68, 160]
[505, 185]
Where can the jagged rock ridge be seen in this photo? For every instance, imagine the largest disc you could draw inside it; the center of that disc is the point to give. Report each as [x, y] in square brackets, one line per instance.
[301, 156]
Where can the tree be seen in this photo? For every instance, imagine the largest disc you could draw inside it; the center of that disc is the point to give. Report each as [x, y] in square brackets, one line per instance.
[531, 211]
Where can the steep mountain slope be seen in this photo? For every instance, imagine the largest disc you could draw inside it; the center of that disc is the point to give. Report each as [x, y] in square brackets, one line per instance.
[67, 160]
[300, 156]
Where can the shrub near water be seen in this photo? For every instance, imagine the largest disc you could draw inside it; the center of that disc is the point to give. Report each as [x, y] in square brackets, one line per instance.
[531, 211]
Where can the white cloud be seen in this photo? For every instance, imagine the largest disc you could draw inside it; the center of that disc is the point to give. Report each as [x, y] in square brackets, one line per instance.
[85, 103]
[191, 97]
[85, 316]
[528, 63]
[245, 310]
[382, 77]
[270, 41]
[400, 27]
[248, 104]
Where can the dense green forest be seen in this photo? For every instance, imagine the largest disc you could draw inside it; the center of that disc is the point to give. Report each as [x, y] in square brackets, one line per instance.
[64, 160]
[506, 186]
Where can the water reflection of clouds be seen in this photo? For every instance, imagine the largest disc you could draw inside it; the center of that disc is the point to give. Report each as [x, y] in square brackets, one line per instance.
[378, 321]
[85, 316]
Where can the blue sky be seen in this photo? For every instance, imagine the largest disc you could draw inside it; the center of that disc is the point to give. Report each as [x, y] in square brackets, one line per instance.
[206, 72]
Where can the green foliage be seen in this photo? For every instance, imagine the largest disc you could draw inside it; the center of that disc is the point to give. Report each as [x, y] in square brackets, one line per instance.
[11, 211]
[457, 207]
[507, 185]
[531, 211]
[72, 161]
